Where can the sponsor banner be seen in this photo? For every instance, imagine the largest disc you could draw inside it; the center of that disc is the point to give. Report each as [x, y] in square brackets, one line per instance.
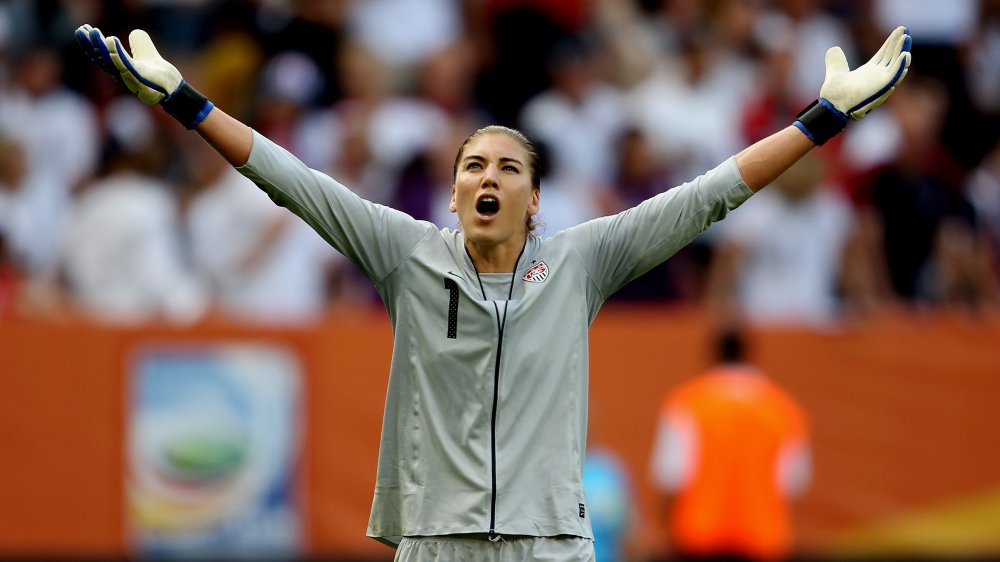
[212, 447]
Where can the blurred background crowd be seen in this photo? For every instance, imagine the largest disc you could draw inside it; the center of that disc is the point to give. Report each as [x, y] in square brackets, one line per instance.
[111, 210]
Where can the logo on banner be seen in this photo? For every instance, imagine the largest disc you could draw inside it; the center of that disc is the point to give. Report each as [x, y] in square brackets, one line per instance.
[212, 450]
[537, 274]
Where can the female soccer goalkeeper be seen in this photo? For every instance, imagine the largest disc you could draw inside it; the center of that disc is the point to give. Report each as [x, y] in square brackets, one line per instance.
[485, 421]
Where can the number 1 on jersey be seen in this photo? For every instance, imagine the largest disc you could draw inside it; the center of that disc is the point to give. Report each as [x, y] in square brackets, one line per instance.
[452, 287]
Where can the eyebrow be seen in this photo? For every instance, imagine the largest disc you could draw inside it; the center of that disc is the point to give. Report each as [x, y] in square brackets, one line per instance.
[503, 159]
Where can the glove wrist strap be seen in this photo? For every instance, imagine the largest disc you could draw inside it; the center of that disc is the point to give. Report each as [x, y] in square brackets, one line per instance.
[821, 121]
[187, 105]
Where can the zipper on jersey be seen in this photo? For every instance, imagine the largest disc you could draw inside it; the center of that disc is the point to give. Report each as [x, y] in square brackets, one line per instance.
[501, 323]
[493, 417]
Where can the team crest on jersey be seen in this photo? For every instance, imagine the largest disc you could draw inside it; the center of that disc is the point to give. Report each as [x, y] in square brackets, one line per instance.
[537, 274]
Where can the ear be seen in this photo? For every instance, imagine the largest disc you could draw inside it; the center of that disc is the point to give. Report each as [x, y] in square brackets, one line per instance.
[533, 206]
[453, 206]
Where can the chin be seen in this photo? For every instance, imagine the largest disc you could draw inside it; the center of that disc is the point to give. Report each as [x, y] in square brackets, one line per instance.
[484, 235]
[480, 237]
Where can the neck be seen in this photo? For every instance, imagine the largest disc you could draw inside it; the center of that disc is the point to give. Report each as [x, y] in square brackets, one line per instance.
[495, 258]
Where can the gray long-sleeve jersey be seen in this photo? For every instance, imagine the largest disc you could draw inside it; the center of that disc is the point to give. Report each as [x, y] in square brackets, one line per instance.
[486, 409]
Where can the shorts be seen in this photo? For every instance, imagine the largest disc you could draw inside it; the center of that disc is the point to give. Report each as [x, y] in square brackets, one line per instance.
[457, 548]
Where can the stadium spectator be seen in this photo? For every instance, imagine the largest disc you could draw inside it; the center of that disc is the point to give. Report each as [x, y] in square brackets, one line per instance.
[772, 96]
[53, 129]
[575, 123]
[312, 28]
[447, 79]
[123, 258]
[55, 125]
[947, 32]
[731, 452]
[688, 106]
[290, 83]
[368, 136]
[780, 259]
[260, 265]
[403, 34]
[811, 27]
[33, 211]
[913, 210]
[514, 38]
[579, 118]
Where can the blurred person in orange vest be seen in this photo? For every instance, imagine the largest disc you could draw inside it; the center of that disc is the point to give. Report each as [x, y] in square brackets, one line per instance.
[731, 452]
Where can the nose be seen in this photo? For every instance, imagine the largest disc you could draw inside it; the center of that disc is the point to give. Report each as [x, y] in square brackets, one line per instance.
[489, 178]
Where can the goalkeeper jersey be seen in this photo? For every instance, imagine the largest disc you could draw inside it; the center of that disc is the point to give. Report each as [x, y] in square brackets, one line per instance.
[485, 421]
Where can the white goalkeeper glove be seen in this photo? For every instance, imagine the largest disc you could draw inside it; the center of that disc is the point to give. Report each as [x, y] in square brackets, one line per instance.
[145, 73]
[852, 94]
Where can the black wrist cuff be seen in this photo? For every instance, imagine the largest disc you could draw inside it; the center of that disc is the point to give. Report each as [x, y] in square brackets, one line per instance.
[187, 105]
[820, 121]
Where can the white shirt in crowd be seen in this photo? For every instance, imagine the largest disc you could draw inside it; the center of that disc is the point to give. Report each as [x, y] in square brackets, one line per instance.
[791, 255]
[123, 256]
[228, 222]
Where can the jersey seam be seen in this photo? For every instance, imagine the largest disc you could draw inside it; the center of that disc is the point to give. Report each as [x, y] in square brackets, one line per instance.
[590, 276]
[407, 257]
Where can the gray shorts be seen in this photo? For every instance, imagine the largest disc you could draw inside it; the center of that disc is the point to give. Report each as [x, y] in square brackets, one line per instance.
[506, 549]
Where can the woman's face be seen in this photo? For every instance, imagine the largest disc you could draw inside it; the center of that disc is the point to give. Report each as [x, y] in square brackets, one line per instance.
[493, 193]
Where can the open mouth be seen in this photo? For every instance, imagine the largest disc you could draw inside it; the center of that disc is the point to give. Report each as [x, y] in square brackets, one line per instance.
[487, 205]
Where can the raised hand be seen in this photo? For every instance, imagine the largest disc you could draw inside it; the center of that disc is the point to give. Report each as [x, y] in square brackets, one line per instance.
[856, 92]
[145, 73]
[852, 94]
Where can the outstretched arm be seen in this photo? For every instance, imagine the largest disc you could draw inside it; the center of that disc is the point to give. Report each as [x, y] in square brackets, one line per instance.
[844, 94]
[375, 237]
